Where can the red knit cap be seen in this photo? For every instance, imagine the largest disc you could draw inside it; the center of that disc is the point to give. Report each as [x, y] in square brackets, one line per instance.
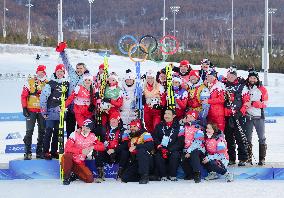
[193, 114]
[102, 66]
[115, 115]
[136, 123]
[184, 63]
[59, 67]
[41, 68]
[194, 73]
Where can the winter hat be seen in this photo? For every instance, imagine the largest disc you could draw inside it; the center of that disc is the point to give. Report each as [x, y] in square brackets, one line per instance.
[184, 63]
[59, 67]
[102, 66]
[129, 75]
[253, 72]
[212, 72]
[136, 122]
[88, 123]
[150, 73]
[205, 61]
[232, 70]
[87, 76]
[193, 114]
[114, 76]
[41, 68]
[194, 73]
[178, 79]
[114, 115]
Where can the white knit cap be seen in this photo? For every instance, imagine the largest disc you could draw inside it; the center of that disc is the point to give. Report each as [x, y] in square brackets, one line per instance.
[178, 79]
[114, 76]
[87, 76]
[150, 73]
[130, 75]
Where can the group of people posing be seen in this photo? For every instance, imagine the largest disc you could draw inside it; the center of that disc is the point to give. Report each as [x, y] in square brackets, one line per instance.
[211, 115]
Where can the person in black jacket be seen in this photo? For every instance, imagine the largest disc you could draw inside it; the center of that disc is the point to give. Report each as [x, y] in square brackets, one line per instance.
[140, 146]
[169, 142]
[114, 152]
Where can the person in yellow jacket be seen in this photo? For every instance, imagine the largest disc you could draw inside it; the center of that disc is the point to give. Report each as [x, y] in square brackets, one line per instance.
[31, 110]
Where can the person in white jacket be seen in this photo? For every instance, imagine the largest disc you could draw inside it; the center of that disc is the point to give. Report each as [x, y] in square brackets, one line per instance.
[128, 108]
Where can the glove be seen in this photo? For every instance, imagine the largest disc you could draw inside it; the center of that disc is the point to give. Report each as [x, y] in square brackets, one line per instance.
[164, 153]
[26, 113]
[61, 47]
[91, 108]
[107, 100]
[156, 106]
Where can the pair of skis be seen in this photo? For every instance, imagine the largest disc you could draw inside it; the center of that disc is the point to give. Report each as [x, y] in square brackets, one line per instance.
[170, 91]
[61, 130]
[138, 92]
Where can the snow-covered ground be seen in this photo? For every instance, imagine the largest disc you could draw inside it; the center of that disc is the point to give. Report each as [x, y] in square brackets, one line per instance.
[21, 59]
[112, 188]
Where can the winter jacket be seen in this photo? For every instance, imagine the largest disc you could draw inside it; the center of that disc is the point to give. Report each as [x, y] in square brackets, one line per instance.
[77, 142]
[129, 104]
[112, 138]
[30, 97]
[175, 137]
[50, 98]
[236, 96]
[216, 101]
[82, 99]
[193, 138]
[181, 97]
[115, 94]
[258, 99]
[194, 96]
[143, 140]
[216, 149]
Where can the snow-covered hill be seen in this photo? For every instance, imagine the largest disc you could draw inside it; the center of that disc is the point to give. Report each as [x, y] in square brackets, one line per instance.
[21, 59]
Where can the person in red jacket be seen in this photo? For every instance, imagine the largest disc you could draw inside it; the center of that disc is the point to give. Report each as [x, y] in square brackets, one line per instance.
[183, 71]
[80, 144]
[216, 101]
[152, 101]
[113, 98]
[31, 110]
[181, 97]
[84, 101]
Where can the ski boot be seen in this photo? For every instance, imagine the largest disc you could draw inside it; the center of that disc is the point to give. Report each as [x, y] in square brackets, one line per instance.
[101, 174]
[119, 174]
[55, 155]
[229, 177]
[242, 163]
[164, 179]
[232, 162]
[262, 154]
[197, 177]
[27, 156]
[144, 179]
[173, 179]
[66, 181]
[47, 156]
[211, 176]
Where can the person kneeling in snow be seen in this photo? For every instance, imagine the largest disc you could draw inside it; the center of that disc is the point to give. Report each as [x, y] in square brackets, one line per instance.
[217, 158]
[141, 145]
[78, 146]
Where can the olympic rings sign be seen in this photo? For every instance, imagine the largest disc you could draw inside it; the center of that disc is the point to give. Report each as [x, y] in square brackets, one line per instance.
[165, 47]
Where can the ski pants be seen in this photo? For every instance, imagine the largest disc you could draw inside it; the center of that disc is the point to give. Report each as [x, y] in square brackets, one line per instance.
[216, 166]
[259, 125]
[120, 157]
[152, 117]
[141, 165]
[235, 133]
[70, 122]
[169, 166]
[193, 163]
[52, 128]
[81, 170]
[30, 125]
